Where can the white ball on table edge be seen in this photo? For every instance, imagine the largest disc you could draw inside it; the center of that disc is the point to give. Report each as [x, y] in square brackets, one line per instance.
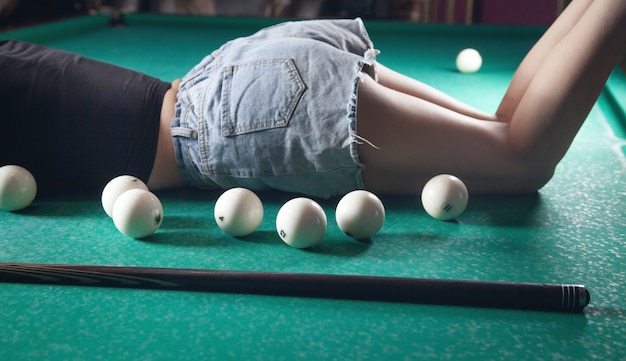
[137, 213]
[444, 197]
[301, 222]
[18, 188]
[116, 187]
[238, 212]
[360, 214]
[469, 61]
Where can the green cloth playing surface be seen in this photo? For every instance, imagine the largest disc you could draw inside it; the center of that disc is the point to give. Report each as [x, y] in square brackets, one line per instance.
[573, 231]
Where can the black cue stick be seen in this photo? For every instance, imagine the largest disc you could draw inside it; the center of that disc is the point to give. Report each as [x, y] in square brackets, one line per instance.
[524, 296]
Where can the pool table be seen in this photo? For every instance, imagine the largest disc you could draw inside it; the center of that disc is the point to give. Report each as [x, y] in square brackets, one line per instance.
[572, 231]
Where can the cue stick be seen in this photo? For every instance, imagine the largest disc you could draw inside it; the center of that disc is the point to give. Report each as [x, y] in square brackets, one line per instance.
[523, 296]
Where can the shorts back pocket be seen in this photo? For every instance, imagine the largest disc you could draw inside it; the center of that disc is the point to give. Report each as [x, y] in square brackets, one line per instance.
[259, 95]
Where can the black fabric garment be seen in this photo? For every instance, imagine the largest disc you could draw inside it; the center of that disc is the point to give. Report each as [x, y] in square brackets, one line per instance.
[74, 122]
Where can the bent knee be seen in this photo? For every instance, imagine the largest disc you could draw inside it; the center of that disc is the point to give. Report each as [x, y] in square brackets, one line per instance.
[533, 176]
[537, 180]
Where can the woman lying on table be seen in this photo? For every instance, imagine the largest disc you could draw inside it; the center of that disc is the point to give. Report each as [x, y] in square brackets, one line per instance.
[301, 107]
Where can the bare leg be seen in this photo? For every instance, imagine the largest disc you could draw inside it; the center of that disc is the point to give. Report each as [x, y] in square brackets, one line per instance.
[566, 85]
[523, 76]
[548, 101]
[536, 56]
[419, 139]
[410, 86]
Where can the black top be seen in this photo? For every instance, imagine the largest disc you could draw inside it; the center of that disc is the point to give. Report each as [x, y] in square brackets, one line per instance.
[74, 122]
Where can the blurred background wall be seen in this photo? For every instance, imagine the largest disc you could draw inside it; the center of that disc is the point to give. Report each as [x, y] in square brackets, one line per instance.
[19, 13]
[522, 12]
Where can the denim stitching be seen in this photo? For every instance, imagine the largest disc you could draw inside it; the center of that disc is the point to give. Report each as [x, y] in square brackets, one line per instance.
[229, 128]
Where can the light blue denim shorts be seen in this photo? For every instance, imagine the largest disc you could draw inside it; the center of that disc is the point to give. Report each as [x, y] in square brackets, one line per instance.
[276, 110]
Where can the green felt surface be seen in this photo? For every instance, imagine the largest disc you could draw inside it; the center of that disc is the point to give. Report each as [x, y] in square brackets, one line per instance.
[573, 231]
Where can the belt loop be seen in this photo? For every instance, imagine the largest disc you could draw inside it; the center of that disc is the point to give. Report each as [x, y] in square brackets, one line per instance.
[184, 132]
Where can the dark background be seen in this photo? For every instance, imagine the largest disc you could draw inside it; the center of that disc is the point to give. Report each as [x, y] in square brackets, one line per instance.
[20, 13]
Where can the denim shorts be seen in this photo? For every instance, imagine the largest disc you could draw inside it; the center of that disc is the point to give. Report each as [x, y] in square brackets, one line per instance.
[276, 110]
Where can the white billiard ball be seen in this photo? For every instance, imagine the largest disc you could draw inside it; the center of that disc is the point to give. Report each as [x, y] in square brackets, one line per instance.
[469, 61]
[444, 197]
[360, 214]
[137, 213]
[18, 188]
[301, 222]
[116, 187]
[238, 212]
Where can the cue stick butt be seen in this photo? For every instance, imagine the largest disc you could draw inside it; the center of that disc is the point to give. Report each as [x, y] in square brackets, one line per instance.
[523, 296]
